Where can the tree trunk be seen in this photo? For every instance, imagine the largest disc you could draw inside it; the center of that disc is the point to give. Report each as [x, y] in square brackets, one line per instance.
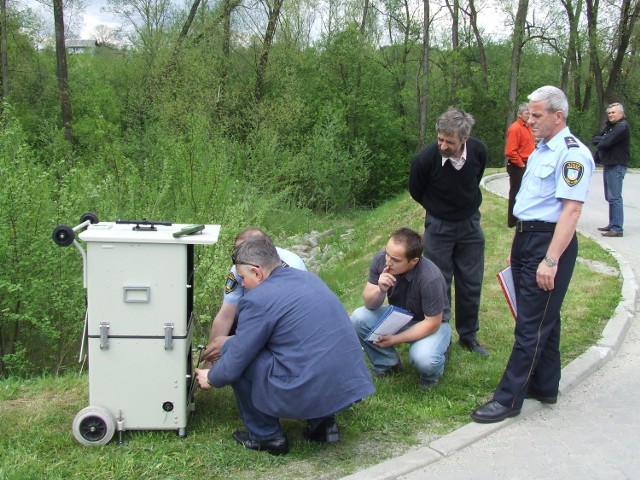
[4, 59]
[629, 12]
[592, 26]
[227, 9]
[628, 18]
[63, 79]
[516, 53]
[355, 118]
[571, 66]
[454, 10]
[274, 15]
[189, 20]
[482, 56]
[422, 79]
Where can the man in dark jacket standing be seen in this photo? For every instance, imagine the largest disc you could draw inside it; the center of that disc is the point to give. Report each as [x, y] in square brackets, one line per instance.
[445, 179]
[295, 353]
[613, 153]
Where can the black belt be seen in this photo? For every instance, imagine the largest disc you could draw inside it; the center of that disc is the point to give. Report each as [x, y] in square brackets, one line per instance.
[535, 226]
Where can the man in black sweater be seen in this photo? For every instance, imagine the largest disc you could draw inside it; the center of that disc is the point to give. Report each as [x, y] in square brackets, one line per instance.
[445, 180]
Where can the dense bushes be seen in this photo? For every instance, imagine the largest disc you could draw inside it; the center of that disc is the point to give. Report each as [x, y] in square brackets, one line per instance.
[175, 131]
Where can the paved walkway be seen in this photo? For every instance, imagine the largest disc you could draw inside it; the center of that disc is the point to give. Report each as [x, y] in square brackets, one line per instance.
[593, 432]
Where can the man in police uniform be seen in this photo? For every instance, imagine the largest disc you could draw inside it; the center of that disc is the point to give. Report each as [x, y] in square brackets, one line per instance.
[543, 254]
[224, 322]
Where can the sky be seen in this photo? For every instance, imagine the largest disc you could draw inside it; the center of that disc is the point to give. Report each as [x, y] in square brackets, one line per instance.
[92, 17]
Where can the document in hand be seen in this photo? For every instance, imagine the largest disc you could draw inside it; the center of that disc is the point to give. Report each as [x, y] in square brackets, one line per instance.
[392, 320]
[506, 282]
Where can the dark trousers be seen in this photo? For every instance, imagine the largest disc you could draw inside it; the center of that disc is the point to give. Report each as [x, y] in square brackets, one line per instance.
[515, 179]
[534, 364]
[457, 248]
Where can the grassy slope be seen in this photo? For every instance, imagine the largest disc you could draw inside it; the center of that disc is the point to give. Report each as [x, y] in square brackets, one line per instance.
[36, 414]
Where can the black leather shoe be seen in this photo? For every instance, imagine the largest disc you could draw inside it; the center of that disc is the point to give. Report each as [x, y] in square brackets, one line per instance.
[425, 384]
[327, 431]
[275, 446]
[604, 229]
[474, 346]
[492, 412]
[542, 398]
[397, 368]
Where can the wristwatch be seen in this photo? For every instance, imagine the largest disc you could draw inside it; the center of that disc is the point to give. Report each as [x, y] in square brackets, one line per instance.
[550, 261]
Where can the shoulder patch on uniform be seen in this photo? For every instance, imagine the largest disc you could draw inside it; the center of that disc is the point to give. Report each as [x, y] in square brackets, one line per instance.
[571, 142]
[572, 173]
[283, 263]
[231, 283]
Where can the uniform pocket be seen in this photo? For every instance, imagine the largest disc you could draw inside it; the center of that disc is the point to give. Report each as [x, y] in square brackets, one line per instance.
[546, 180]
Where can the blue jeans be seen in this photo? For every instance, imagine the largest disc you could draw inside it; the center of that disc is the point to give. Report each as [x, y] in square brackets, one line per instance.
[613, 176]
[426, 354]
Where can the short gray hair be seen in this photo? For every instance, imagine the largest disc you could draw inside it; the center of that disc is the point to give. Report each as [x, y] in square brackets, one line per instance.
[618, 105]
[259, 251]
[555, 100]
[523, 107]
[455, 121]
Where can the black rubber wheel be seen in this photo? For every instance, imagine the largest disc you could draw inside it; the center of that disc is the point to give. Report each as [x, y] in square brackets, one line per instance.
[92, 217]
[93, 426]
[63, 235]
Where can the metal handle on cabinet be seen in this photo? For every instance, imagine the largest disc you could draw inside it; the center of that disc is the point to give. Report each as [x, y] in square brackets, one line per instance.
[168, 336]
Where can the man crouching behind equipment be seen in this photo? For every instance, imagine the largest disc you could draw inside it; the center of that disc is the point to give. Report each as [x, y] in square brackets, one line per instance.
[295, 353]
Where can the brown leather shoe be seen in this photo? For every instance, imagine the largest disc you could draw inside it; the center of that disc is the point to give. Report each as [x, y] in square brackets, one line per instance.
[611, 233]
[604, 229]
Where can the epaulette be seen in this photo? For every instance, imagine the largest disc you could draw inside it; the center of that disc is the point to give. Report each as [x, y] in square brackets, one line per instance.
[571, 142]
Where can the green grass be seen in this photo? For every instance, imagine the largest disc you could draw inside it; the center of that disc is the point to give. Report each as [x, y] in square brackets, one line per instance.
[36, 414]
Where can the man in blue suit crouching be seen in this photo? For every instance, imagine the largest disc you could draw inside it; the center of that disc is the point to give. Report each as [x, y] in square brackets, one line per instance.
[295, 353]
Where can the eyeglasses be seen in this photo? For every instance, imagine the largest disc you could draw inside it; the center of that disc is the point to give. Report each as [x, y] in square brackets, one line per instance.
[237, 262]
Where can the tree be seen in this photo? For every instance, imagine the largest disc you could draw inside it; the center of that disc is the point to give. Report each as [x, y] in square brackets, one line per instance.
[422, 79]
[228, 6]
[105, 36]
[516, 53]
[482, 56]
[148, 19]
[571, 64]
[454, 9]
[61, 67]
[273, 14]
[4, 59]
[629, 12]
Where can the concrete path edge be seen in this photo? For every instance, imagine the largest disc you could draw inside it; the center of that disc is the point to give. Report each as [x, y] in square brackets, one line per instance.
[573, 374]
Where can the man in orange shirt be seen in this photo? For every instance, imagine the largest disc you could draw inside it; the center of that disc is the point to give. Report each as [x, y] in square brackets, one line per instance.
[520, 144]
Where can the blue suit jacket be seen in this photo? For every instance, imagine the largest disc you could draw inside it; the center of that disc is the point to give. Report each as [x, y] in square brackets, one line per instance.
[296, 344]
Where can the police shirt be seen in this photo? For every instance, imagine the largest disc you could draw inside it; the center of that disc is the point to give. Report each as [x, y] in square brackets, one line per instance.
[557, 170]
[233, 290]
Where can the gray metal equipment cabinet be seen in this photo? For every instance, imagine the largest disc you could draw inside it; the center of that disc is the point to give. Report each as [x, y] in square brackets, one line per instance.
[138, 328]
